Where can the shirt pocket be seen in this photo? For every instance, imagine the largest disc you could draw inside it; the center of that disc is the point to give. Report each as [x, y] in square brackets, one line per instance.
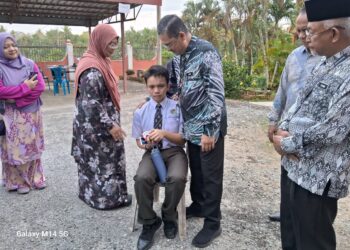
[172, 123]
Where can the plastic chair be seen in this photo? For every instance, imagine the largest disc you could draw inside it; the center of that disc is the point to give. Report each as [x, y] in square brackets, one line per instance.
[46, 79]
[59, 79]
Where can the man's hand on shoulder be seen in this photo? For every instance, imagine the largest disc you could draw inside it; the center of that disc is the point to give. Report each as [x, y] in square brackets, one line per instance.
[143, 102]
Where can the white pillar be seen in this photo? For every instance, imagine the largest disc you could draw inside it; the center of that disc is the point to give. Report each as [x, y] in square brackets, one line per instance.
[70, 57]
[130, 56]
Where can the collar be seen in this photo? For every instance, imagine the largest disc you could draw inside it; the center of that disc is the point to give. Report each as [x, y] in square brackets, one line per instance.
[163, 103]
[331, 60]
[191, 46]
[305, 50]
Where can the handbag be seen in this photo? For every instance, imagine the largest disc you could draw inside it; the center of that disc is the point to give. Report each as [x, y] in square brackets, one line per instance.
[2, 123]
[2, 128]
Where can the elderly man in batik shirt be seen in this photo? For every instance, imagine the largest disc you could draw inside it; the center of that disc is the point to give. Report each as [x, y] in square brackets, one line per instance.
[315, 132]
[202, 101]
[298, 66]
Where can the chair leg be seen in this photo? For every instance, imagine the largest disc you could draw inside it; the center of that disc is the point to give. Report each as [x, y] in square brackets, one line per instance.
[55, 88]
[156, 193]
[135, 215]
[155, 199]
[181, 209]
[68, 87]
[63, 87]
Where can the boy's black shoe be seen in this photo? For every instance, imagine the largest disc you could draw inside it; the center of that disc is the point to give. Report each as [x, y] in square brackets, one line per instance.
[147, 235]
[170, 229]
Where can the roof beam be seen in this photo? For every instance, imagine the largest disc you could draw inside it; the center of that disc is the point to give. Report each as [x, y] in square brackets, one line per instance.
[50, 21]
[150, 2]
[66, 12]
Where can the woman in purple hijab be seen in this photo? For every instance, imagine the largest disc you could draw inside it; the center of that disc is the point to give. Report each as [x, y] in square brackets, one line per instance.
[21, 85]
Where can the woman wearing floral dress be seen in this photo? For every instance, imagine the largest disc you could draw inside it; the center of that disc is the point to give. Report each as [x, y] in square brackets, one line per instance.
[21, 85]
[97, 145]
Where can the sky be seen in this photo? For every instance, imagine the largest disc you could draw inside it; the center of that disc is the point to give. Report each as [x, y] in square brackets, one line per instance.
[147, 18]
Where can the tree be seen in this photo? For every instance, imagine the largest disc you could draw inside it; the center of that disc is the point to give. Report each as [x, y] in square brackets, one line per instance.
[143, 42]
[281, 9]
[204, 20]
[191, 16]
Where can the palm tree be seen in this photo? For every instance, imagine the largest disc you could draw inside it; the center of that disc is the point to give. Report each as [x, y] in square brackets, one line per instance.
[203, 19]
[279, 9]
[191, 15]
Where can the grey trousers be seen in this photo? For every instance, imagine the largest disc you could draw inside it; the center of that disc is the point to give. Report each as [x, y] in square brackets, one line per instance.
[146, 177]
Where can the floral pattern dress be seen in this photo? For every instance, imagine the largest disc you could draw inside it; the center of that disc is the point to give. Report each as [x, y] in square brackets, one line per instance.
[100, 159]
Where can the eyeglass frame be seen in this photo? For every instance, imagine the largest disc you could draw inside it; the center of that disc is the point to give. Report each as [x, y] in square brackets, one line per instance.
[309, 35]
[170, 44]
[114, 45]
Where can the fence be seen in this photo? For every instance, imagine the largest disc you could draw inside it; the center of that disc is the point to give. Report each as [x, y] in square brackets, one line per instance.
[139, 53]
[144, 53]
[48, 53]
[43, 52]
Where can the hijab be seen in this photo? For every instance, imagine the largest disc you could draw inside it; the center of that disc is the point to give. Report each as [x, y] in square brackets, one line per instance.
[94, 57]
[16, 71]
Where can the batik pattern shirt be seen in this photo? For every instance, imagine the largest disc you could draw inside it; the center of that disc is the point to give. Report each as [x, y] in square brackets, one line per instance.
[298, 66]
[173, 67]
[319, 125]
[202, 97]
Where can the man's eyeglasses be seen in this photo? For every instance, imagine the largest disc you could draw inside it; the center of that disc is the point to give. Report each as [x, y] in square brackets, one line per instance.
[170, 44]
[309, 34]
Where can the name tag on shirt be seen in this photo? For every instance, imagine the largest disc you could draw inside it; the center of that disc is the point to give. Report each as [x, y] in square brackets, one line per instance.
[322, 85]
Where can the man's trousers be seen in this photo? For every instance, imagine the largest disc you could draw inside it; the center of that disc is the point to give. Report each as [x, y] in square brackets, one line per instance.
[206, 181]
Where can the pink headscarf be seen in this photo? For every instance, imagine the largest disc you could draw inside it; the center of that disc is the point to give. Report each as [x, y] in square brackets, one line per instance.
[94, 57]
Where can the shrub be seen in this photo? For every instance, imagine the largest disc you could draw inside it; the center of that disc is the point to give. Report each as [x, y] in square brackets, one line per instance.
[130, 72]
[236, 79]
[132, 78]
[258, 82]
[166, 56]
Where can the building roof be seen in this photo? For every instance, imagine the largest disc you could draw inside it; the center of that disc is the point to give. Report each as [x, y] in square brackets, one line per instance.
[66, 12]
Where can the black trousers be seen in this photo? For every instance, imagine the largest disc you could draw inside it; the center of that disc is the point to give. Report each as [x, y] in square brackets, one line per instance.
[311, 218]
[206, 181]
[287, 238]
